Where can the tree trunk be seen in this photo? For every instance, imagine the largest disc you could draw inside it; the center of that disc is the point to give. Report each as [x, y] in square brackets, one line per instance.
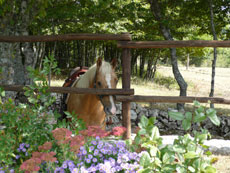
[187, 63]
[142, 65]
[214, 53]
[16, 57]
[155, 7]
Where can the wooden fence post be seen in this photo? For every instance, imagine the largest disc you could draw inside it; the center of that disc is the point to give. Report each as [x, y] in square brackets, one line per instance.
[126, 75]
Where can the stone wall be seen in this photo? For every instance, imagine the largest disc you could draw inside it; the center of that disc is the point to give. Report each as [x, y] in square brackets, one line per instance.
[168, 126]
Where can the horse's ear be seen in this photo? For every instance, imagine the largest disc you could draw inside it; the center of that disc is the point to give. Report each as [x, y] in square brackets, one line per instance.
[114, 63]
[99, 62]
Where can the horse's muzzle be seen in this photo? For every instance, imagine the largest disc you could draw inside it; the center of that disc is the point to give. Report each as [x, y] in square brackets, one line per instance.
[110, 110]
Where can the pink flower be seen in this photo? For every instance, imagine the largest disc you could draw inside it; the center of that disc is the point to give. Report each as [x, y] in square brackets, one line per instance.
[76, 142]
[46, 146]
[118, 131]
[62, 135]
[30, 165]
[49, 157]
[95, 131]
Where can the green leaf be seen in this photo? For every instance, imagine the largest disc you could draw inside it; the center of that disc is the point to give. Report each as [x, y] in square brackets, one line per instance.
[215, 120]
[188, 116]
[202, 137]
[186, 124]
[176, 115]
[153, 151]
[146, 170]
[196, 103]
[190, 155]
[199, 117]
[155, 133]
[178, 148]
[191, 169]
[145, 160]
[142, 132]
[211, 113]
[210, 169]
[152, 120]
[144, 121]
[166, 158]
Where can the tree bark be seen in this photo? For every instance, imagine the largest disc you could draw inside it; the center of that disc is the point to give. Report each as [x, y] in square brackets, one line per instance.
[155, 7]
[16, 57]
[214, 53]
[187, 63]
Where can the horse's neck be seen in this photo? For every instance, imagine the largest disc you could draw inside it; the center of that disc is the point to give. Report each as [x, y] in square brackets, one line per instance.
[87, 80]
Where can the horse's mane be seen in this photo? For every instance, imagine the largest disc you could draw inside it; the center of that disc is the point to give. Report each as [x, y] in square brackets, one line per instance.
[86, 79]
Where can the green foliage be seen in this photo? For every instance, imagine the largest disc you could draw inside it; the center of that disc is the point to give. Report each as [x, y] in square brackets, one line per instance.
[37, 92]
[185, 155]
[76, 123]
[199, 115]
[29, 123]
[166, 81]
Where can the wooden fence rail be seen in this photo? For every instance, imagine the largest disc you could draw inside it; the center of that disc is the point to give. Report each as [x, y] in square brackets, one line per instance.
[65, 37]
[172, 44]
[171, 99]
[19, 88]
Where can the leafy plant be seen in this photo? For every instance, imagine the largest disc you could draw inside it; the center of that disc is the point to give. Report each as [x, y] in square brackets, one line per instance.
[199, 115]
[187, 154]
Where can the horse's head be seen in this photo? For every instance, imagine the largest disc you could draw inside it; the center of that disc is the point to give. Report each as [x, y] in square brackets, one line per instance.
[106, 78]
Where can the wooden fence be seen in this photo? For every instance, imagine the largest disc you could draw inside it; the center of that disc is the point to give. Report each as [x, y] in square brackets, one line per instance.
[125, 95]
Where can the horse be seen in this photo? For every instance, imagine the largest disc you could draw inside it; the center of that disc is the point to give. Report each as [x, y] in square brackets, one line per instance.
[94, 109]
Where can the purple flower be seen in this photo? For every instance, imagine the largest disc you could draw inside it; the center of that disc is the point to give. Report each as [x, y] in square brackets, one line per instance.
[94, 142]
[96, 151]
[112, 161]
[17, 157]
[94, 160]
[90, 156]
[64, 165]
[91, 148]
[88, 160]
[84, 152]
[100, 143]
[21, 146]
[71, 164]
[92, 169]
[27, 145]
[24, 150]
[75, 170]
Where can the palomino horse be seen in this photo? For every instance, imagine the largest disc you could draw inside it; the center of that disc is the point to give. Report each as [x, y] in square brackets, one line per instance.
[92, 108]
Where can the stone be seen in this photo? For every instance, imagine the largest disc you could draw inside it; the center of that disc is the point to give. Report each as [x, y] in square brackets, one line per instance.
[119, 106]
[144, 112]
[153, 112]
[163, 114]
[133, 115]
[133, 105]
[138, 108]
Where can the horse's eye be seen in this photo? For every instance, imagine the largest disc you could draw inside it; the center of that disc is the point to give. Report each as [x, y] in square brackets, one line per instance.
[99, 83]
